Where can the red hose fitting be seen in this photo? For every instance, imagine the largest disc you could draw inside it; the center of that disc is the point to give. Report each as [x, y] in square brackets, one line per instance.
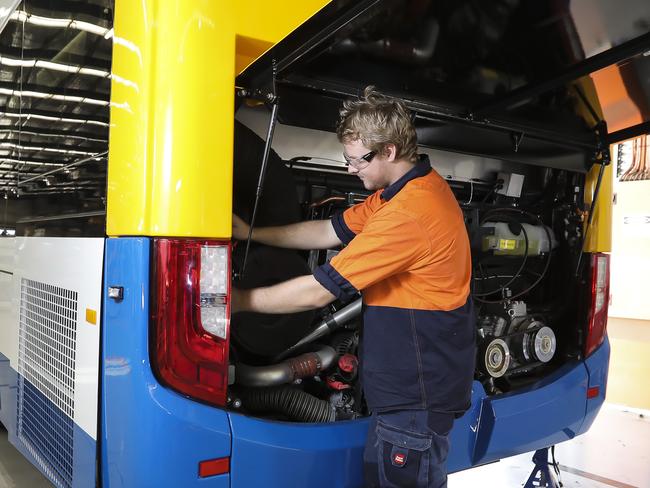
[305, 365]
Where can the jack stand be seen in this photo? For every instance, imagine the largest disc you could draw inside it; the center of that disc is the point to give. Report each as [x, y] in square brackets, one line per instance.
[543, 476]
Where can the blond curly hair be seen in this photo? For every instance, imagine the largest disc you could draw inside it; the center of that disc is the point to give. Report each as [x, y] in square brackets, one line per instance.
[377, 120]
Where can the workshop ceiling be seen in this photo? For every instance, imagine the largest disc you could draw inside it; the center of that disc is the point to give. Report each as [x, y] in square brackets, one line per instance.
[55, 80]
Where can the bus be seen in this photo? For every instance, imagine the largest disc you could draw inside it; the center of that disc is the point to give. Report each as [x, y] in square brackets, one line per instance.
[131, 131]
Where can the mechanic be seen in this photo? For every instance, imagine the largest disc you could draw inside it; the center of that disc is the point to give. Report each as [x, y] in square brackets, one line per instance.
[407, 252]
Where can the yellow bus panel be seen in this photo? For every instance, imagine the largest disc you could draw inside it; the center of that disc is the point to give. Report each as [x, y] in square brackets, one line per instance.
[260, 25]
[172, 109]
[599, 235]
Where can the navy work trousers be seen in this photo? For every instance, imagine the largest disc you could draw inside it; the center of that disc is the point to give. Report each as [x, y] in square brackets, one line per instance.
[407, 448]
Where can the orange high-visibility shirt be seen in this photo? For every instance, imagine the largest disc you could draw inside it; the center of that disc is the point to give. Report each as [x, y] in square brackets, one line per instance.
[407, 246]
[409, 254]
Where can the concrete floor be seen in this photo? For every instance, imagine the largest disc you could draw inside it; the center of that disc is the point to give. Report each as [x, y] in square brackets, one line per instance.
[15, 470]
[614, 453]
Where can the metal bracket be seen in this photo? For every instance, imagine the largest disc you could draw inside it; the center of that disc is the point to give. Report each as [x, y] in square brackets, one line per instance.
[601, 152]
[516, 137]
[257, 94]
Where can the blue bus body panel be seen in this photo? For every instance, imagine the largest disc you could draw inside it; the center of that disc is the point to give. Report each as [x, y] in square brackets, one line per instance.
[150, 436]
[597, 365]
[288, 455]
[545, 413]
[463, 436]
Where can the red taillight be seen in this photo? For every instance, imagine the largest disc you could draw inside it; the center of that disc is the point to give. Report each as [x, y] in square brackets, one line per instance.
[597, 318]
[191, 316]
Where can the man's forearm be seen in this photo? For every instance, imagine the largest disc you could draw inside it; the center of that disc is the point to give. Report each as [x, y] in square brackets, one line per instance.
[311, 234]
[296, 295]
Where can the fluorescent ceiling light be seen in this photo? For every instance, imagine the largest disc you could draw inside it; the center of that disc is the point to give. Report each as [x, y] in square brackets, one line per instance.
[29, 163]
[11, 145]
[63, 98]
[22, 16]
[53, 96]
[51, 135]
[27, 116]
[65, 68]
[7, 9]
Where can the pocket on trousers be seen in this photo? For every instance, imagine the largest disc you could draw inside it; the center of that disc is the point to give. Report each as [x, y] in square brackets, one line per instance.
[403, 456]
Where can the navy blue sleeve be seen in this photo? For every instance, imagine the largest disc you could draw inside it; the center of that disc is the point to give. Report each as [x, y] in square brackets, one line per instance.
[336, 284]
[343, 232]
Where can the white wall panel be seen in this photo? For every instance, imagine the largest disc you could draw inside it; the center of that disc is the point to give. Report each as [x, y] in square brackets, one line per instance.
[73, 264]
[8, 322]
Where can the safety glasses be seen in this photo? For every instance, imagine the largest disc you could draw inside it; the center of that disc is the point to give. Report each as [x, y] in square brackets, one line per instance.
[360, 162]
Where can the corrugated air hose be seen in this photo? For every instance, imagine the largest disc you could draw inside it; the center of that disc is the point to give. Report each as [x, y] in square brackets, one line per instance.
[294, 403]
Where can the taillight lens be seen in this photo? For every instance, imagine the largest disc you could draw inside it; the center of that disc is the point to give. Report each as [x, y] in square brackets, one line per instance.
[597, 318]
[191, 317]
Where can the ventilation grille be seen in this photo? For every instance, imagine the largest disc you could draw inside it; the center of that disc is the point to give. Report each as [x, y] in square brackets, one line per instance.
[46, 363]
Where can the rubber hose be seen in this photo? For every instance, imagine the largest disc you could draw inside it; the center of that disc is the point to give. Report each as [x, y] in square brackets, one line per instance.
[294, 403]
[287, 371]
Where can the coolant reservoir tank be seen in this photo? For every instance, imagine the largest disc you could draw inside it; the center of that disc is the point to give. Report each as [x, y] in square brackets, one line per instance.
[508, 239]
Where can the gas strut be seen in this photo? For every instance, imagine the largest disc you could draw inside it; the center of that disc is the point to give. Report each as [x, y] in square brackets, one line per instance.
[272, 98]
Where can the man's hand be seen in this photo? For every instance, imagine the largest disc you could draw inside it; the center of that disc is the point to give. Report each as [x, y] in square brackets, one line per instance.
[240, 229]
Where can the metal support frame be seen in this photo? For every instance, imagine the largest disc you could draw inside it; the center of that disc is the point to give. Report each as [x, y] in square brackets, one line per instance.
[79, 162]
[78, 215]
[543, 476]
[424, 110]
[624, 51]
[635, 131]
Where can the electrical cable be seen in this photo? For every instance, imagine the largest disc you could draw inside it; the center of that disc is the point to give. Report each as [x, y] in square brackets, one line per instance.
[497, 186]
[471, 194]
[523, 262]
[546, 266]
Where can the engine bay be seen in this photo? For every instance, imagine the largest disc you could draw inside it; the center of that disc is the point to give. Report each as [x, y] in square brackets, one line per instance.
[525, 229]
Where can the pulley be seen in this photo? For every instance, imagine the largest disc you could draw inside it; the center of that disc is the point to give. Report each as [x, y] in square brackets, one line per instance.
[539, 345]
[497, 358]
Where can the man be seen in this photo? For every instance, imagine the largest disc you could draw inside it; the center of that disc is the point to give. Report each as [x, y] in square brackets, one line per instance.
[408, 253]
